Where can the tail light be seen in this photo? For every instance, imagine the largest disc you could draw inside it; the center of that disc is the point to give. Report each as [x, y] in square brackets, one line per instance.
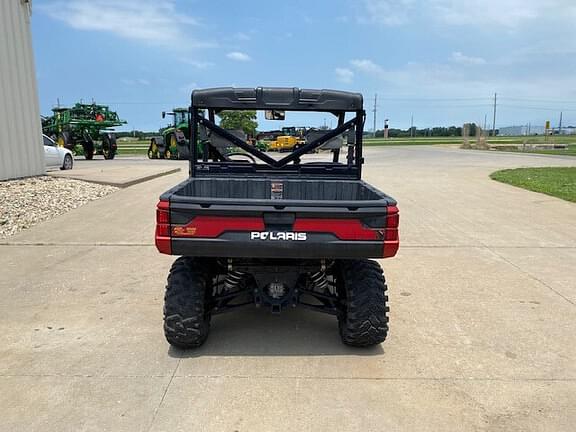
[391, 239]
[163, 243]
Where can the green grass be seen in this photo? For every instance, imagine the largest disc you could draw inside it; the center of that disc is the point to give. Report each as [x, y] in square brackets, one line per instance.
[132, 148]
[412, 141]
[519, 140]
[557, 182]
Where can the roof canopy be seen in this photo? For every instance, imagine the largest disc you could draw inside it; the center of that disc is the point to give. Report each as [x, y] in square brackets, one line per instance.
[276, 98]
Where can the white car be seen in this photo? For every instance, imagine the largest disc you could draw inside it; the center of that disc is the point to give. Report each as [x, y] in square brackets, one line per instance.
[57, 157]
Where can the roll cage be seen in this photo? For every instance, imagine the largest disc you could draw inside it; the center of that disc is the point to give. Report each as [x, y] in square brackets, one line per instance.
[337, 103]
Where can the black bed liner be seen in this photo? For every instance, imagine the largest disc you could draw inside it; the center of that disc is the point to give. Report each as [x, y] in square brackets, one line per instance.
[294, 189]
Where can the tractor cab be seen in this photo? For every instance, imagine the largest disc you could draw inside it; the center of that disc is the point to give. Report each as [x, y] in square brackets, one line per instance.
[174, 139]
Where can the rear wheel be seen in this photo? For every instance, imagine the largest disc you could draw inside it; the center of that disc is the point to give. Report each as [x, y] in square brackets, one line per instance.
[363, 320]
[186, 316]
[68, 162]
[109, 146]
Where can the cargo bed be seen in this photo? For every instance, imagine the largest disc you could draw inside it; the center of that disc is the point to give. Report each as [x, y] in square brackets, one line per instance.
[344, 192]
[262, 218]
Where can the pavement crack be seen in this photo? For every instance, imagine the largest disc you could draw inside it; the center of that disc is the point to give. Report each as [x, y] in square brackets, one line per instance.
[164, 395]
[531, 276]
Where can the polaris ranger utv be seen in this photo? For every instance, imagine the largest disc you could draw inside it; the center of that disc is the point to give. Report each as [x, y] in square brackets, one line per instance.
[276, 232]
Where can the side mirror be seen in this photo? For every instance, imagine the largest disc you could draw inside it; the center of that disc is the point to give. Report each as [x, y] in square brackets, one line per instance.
[163, 114]
[275, 115]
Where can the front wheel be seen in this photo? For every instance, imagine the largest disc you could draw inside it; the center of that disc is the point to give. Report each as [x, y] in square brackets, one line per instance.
[88, 147]
[363, 319]
[186, 314]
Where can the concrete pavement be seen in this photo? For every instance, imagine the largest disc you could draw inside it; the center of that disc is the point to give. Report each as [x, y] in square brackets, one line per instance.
[120, 172]
[483, 306]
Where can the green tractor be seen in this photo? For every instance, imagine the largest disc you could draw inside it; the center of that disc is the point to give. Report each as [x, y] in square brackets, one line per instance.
[86, 125]
[173, 141]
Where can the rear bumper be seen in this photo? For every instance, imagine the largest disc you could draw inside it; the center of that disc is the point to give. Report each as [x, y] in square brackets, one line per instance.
[317, 246]
[236, 249]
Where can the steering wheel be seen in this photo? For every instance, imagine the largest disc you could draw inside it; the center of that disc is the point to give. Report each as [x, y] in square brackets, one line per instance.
[245, 155]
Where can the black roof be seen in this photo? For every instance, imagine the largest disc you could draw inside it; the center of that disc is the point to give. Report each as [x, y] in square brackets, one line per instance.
[279, 98]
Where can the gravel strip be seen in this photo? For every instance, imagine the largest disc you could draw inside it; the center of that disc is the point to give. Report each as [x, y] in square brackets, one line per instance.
[28, 202]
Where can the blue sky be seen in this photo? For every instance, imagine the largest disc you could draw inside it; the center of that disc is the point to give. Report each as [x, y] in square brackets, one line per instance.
[438, 60]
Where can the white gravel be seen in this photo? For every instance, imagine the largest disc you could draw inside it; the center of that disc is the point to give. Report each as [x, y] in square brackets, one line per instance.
[27, 202]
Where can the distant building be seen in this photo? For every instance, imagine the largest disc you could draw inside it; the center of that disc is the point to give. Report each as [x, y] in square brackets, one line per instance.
[570, 130]
[21, 150]
[513, 131]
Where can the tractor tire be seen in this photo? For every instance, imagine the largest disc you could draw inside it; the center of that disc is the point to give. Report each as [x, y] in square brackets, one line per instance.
[363, 320]
[63, 140]
[88, 147]
[109, 146]
[153, 150]
[171, 142]
[186, 316]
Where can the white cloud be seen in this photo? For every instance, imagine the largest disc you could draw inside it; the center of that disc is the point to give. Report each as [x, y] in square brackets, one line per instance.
[149, 21]
[344, 75]
[458, 57]
[238, 56]
[366, 65]
[456, 81]
[388, 12]
[505, 14]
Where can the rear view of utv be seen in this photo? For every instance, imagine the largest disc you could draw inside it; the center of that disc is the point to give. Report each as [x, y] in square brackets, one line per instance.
[276, 232]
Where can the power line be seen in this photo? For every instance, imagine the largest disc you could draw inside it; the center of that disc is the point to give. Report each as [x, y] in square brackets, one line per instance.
[538, 100]
[411, 98]
[534, 107]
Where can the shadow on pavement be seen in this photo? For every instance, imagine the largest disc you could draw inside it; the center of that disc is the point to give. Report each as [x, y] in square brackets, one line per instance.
[256, 332]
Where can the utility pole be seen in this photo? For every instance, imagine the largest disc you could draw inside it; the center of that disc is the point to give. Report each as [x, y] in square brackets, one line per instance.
[494, 121]
[560, 124]
[485, 120]
[374, 111]
[412, 126]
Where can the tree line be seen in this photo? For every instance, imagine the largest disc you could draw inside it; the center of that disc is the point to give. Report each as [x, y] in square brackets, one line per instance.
[439, 131]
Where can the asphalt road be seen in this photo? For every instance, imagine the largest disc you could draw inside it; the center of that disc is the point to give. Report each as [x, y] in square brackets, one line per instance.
[483, 320]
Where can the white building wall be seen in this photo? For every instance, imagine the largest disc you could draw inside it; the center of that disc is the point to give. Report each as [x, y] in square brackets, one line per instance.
[21, 150]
